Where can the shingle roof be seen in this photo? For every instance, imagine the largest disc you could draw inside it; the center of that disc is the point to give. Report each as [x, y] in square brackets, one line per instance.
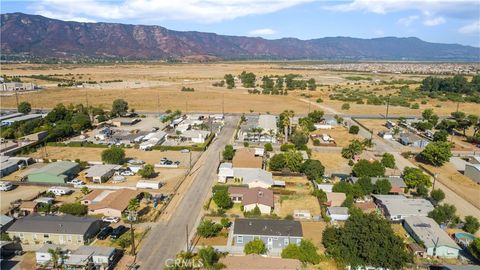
[337, 210]
[258, 262]
[100, 170]
[117, 200]
[53, 224]
[253, 195]
[93, 250]
[250, 175]
[429, 232]
[267, 227]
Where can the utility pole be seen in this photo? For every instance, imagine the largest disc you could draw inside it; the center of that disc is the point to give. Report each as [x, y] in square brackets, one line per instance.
[186, 231]
[388, 105]
[435, 176]
[132, 216]
[186, 106]
[223, 104]
[86, 97]
[16, 97]
[158, 103]
[309, 106]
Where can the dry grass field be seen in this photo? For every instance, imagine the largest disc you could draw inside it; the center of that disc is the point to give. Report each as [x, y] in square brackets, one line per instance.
[340, 134]
[156, 86]
[313, 231]
[333, 162]
[289, 203]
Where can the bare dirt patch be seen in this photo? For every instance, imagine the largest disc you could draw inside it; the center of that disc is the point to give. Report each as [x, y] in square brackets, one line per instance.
[333, 162]
[288, 203]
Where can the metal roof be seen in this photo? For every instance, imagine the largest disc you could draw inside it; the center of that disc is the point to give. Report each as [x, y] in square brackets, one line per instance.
[53, 224]
[57, 168]
[428, 231]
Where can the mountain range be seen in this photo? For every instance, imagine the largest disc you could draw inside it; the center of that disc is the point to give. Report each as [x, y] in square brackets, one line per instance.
[37, 36]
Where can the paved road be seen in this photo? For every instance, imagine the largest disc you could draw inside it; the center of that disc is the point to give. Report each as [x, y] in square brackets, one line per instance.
[167, 238]
[464, 208]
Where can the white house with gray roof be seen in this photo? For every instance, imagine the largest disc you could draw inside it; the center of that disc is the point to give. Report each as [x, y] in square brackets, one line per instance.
[100, 173]
[398, 207]
[436, 241]
[276, 234]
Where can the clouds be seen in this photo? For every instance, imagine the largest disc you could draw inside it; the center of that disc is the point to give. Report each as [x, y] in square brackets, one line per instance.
[407, 21]
[262, 32]
[472, 28]
[434, 21]
[151, 11]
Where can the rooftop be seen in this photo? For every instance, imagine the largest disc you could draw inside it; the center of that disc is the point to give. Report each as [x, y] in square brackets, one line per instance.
[400, 205]
[56, 168]
[251, 175]
[258, 262]
[428, 231]
[267, 227]
[117, 199]
[93, 250]
[100, 170]
[23, 117]
[53, 224]
[337, 210]
[253, 195]
[267, 122]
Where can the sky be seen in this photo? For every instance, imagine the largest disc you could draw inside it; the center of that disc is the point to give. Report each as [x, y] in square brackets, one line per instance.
[430, 20]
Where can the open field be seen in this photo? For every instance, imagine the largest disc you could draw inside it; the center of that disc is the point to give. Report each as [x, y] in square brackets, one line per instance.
[339, 134]
[456, 181]
[156, 86]
[288, 203]
[333, 162]
[313, 231]
[298, 184]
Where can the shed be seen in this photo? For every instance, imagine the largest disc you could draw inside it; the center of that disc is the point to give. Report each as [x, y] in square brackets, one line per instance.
[55, 173]
[100, 173]
[337, 213]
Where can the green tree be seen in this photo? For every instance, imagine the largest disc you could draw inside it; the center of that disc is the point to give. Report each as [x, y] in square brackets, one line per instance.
[313, 169]
[422, 190]
[80, 121]
[306, 252]
[85, 190]
[222, 199]
[414, 177]
[437, 153]
[229, 80]
[299, 139]
[76, 209]
[208, 228]
[119, 107]
[316, 116]
[366, 239]
[312, 86]
[382, 186]
[320, 195]
[365, 183]
[370, 169]
[24, 107]
[474, 248]
[55, 254]
[210, 258]
[148, 171]
[293, 161]
[437, 195]
[113, 155]
[255, 247]
[228, 152]
[226, 223]
[440, 136]
[353, 129]
[388, 160]
[133, 204]
[277, 162]
[268, 147]
[354, 148]
[248, 79]
[443, 214]
[471, 224]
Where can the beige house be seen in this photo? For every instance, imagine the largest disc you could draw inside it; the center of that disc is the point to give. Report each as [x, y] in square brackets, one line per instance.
[253, 197]
[110, 203]
[60, 230]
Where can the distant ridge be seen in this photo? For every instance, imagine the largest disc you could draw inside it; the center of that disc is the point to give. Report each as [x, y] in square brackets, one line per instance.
[38, 36]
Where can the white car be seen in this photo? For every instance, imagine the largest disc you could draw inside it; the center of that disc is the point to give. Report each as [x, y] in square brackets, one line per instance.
[127, 173]
[110, 219]
[6, 186]
[76, 182]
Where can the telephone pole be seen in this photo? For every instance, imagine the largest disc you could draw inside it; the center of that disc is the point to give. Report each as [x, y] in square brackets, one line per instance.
[16, 97]
[388, 105]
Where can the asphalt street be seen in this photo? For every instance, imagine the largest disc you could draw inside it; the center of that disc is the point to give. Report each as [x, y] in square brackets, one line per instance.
[167, 238]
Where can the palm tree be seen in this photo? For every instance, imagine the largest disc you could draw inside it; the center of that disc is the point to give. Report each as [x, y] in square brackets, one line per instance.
[133, 204]
[210, 258]
[54, 256]
[287, 115]
[353, 149]
[368, 143]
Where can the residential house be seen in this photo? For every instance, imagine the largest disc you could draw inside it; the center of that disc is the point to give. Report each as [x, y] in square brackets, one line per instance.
[258, 262]
[335, 198]
[7, 166]
[10, 115]
[246, 158]
[100, 173]
[398, 207]
[261, 128]
[16, 86]
[23, 118]
[253, 197]
[29, 207]
[338, 213]
[366, 206]
[195, 136]
[65, 229]
[110, 203]
[125, 121]
[225, 171]
[44, 257]
[255, 178]
[276, 234]
[5, 222]
[55, 173]
[100, 257]
[152, 139]
[427, 232]
[472, 171]
[414, 140]
[324, 187]
[268, 123]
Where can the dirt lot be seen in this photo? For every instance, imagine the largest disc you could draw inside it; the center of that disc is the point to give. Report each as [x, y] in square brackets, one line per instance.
[94, 154]
[288, 203]
[339, 134]
[313, 231]
[144, 84]
[376, 125]
[333, 162]
[298, 184]
[456, 181]
[20, 192]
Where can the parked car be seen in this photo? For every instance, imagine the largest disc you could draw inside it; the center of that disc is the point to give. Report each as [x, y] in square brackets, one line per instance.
[59, 191]
[6, 186]
[117, 232]
[184, 151]
[110, 219]
[127, 173]
[104, 233]
[76, 182]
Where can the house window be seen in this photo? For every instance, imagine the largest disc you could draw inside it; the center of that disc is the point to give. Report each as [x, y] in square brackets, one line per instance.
[286, 241]
[275, 238]
[239, 239]
[46, 236]
[35, 236]
[299, 240]
[69, 238]
[20, 235]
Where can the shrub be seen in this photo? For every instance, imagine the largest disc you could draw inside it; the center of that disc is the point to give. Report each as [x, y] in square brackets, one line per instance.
[306, 252]
[268, 147]
[113, 155]
[76, 209]
[370, 169]
[346, 106]
[287, 147]
[354, 129]
[388, 160]
[207, 229]
[255, 247]
[222, 199]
